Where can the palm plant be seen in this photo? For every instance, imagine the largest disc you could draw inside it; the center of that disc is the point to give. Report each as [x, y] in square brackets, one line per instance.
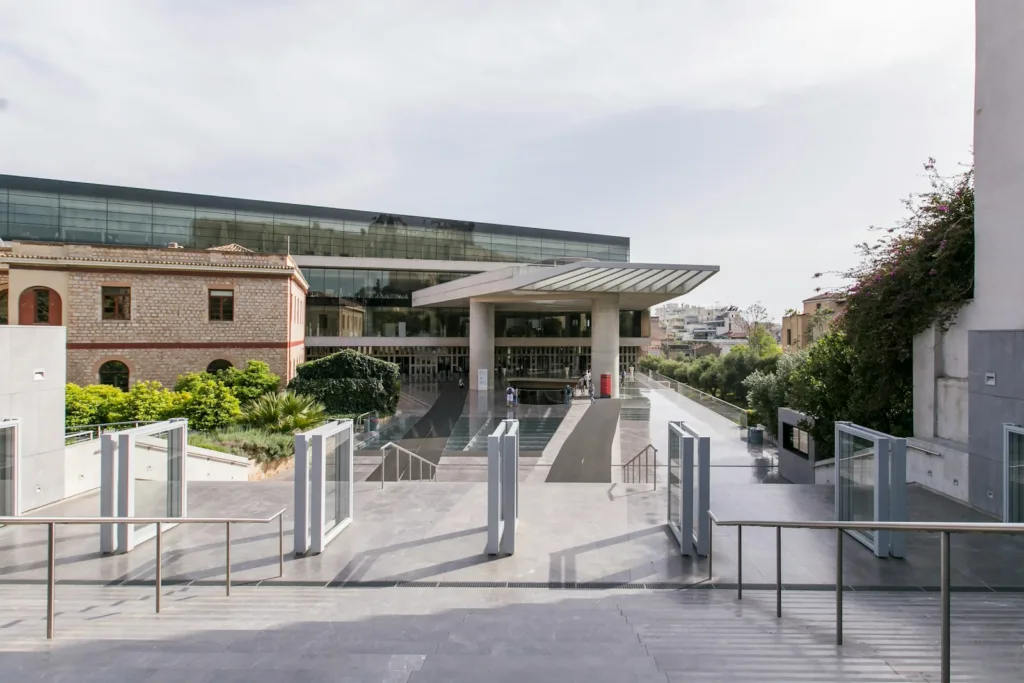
[284, 413]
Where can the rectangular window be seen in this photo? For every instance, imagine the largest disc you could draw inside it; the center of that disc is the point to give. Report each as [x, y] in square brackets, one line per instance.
[789, 336]
[796, 440]
[222, 305]
[42, 307]
[117, 303]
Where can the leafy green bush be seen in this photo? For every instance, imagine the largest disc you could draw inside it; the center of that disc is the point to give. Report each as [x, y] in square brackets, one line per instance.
[284, 413]
[90, 405]
[147, 401]
[350, 382]
[823, 387]
[255, 444]
[768, 390]
[208, 405]
[248, 384]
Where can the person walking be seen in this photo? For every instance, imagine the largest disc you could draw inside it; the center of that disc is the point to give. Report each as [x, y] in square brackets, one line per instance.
[509, 396]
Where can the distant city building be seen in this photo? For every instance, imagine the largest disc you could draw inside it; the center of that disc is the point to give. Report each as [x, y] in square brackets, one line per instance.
[800, 329]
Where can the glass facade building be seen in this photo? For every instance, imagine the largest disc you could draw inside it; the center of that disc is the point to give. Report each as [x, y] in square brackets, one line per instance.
[342, 301]
[33, 209]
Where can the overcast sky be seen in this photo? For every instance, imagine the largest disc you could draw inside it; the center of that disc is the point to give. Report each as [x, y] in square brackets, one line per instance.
[762, 136]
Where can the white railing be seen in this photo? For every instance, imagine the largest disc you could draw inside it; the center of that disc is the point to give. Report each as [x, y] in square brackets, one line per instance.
[422, 464]
[92, 432]
[731, 412]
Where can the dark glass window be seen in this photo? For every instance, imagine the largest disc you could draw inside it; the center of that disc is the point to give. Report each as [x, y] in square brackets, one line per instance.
[114, 373]
[218, 365]
[117, 303]
[3, 307]
[222, 305]
[42, 306]
[796, 440]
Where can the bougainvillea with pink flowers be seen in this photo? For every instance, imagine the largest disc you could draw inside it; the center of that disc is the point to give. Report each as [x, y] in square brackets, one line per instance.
[918, 273]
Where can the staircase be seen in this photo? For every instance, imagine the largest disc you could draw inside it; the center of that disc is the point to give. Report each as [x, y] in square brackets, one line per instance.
[500, 635]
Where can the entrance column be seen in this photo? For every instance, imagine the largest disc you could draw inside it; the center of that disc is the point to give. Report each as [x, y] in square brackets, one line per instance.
[481, 345]
[604, 341]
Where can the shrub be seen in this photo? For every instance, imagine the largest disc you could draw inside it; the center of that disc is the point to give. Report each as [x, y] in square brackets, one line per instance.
[208, 405]
[350, 382]
[284, 413]
[768, 390]
[252, 382]
[89, 405]
[147, 401]
[254, 444]
[823, 387]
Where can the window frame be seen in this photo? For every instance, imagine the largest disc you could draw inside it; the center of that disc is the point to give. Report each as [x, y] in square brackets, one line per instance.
[127, 374]
[122, 307]
[215, 298]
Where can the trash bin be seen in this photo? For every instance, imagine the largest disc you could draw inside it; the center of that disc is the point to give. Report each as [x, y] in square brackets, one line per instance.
[606, 386]
[755, 435]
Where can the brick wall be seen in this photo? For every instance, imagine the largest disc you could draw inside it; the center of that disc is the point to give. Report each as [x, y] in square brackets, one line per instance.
[169, 308]
[164, 365]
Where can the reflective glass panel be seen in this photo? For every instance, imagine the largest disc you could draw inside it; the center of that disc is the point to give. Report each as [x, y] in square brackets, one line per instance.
[149, 467]
[1015, 477]
[7, 483]
[855, 456]
[338, 474]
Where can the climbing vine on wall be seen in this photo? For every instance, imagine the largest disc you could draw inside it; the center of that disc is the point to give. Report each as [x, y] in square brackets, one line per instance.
[919, 273]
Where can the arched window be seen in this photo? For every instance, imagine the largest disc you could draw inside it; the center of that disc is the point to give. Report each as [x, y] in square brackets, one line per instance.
[39, 306]
[115, 374]
[218, 365]
[3, 307]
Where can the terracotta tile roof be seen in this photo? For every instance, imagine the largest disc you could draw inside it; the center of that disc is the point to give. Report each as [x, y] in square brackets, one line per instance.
[827, 296]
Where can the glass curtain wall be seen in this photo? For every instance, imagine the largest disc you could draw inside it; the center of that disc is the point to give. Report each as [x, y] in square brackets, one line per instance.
[91, 219]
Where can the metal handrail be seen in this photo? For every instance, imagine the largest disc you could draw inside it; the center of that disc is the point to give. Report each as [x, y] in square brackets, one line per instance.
[742, 413]
[96, 429]
[51, 555]
[420, 460]
[943, 528]
[634, 467]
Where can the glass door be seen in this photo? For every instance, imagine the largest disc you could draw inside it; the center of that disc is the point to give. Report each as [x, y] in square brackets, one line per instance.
[8, 468]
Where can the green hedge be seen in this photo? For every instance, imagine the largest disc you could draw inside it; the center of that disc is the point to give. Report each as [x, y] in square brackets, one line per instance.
[350, 382]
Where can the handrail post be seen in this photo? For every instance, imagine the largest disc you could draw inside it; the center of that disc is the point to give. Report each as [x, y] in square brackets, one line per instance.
[383, 449]
[227, 558]
[159, 562]
[280, 544]
[778, 572]
[944, 587]
[839, 586]
[711, 547]
[51, 561]
[739, 563]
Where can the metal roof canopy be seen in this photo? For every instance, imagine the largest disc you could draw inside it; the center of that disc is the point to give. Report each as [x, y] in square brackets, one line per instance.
[569, 286]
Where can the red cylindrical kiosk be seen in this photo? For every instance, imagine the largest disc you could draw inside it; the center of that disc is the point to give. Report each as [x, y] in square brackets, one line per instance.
[606, 386]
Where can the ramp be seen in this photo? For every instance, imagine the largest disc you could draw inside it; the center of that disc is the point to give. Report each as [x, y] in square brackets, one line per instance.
[586, 456]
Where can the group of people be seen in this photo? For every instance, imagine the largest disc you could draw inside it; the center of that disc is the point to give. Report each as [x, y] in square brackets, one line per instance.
[511, 396]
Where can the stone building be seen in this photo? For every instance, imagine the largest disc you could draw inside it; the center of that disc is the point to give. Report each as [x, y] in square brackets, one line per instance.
[146, 313]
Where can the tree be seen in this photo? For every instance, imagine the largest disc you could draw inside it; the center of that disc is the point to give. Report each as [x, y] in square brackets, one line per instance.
[823, 387]
[920, 273]
[768, 390]
[753, 317]
[349, 382]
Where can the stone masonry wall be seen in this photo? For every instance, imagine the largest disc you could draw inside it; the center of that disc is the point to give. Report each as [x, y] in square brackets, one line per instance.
[168, 308]
[164, 365]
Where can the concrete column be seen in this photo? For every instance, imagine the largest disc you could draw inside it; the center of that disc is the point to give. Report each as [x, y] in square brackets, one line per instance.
[604, 340]
[481, 343]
